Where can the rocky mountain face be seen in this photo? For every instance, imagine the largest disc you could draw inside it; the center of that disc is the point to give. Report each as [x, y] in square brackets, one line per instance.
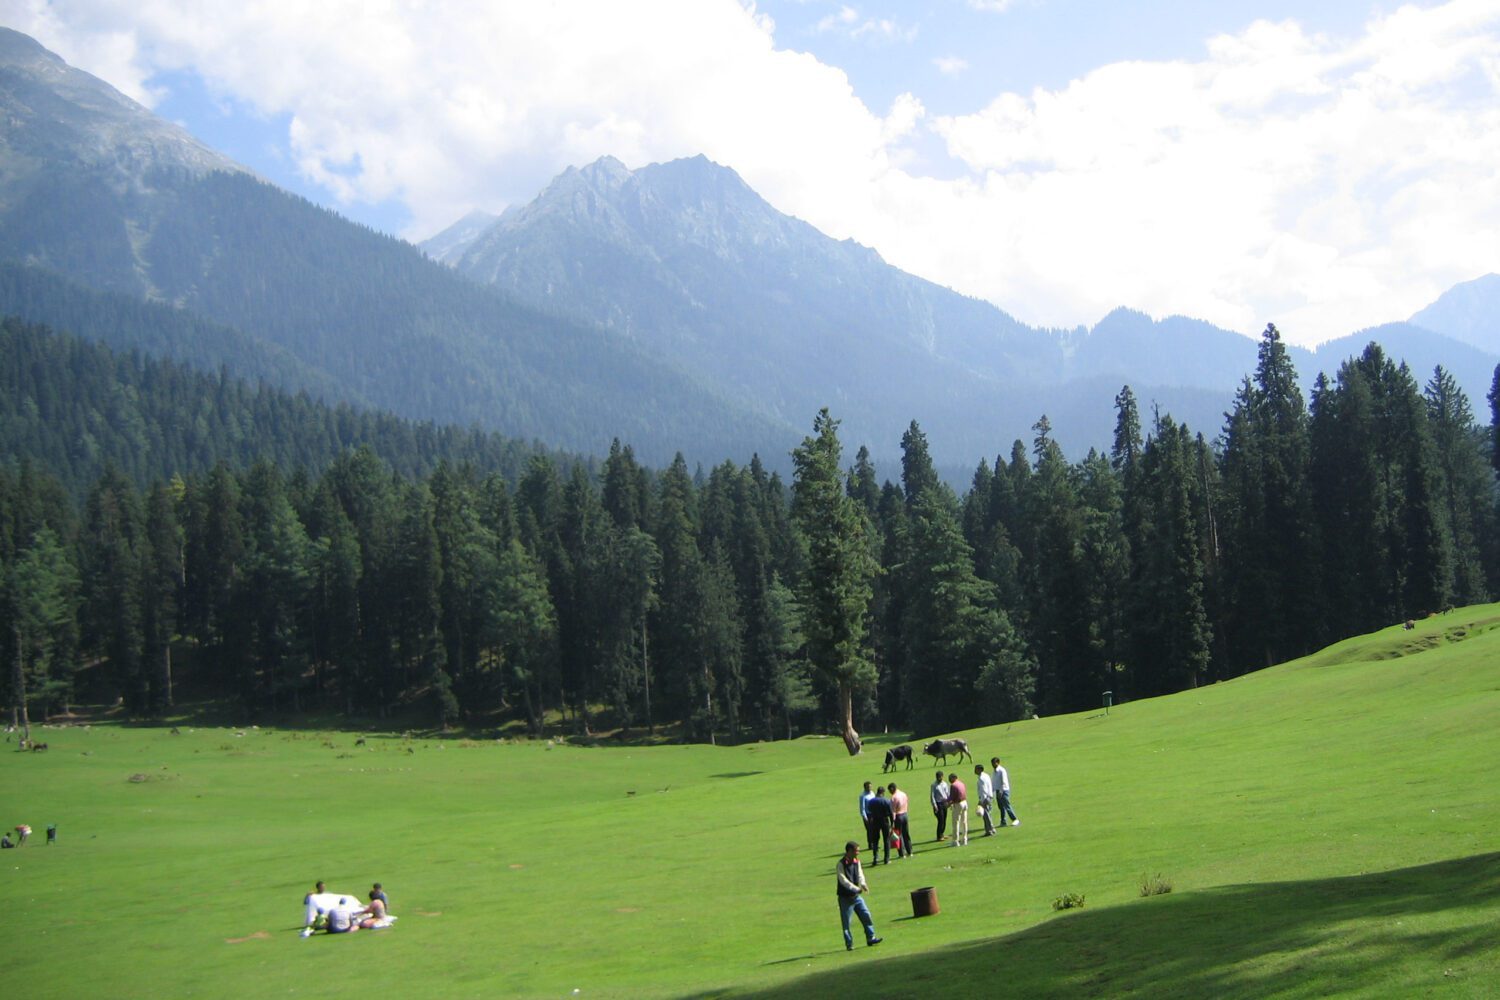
[60, 117]
[1469, 312]
[686, 260]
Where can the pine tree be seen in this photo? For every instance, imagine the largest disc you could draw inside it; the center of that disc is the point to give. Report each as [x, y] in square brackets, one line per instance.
[272, 591]
[1494, 398]
[1465, 484]
[161, 580]
[40, 595]
[1169, 627]
[111, 550]
[1272, 582]
[917, 473]
[863, 486]
[626, 487]
[966, 666]
[1126, 450]
[836, 588]
[526, 630]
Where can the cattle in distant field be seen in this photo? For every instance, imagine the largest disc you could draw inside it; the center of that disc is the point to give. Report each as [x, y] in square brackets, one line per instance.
[943, 748]
[903, 752]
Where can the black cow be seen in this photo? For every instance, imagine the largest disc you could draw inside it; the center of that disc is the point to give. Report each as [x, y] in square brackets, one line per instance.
[942, 748]
[903, 752]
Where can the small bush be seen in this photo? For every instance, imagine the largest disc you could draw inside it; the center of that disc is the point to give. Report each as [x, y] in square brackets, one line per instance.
[1068, 901]
[1155, 885]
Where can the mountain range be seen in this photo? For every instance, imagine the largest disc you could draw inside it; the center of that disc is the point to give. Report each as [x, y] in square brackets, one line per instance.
[670, 306]
[685, 259]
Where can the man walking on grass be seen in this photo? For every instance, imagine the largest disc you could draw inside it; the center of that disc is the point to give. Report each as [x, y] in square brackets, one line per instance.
[940, 804]
[852, 887]
[958, 805]
[986, 794]
[1002, 793]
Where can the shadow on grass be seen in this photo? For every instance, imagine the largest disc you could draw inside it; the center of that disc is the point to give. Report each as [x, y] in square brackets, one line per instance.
[1280, 938]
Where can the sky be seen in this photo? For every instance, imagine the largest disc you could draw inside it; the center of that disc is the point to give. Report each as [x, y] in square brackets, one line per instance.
[1326, 167]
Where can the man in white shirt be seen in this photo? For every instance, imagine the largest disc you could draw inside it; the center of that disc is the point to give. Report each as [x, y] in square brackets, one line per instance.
[1002, 793]
[986, 793]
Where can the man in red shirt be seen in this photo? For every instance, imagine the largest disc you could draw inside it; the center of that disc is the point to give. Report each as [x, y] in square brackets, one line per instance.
[958, 810]
[900, 805]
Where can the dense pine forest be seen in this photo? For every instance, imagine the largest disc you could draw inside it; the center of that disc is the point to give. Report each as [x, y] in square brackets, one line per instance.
[289, 557]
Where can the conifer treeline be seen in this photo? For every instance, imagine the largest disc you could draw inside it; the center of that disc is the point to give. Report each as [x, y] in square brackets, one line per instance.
[741, 607]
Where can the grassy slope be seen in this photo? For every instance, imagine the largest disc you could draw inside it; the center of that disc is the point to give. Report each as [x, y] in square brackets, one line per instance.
[1330, 825]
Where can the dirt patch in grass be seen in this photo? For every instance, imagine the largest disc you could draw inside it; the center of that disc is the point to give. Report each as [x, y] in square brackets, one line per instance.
[257, 936]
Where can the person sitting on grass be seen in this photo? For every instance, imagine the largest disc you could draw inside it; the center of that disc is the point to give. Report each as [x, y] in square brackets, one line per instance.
[375, 915]
[341, 917]
[5, 840]
[378, 892]
[316, 905]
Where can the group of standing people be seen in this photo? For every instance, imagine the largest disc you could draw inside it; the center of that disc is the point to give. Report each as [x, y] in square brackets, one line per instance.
[886, 819]
[950, 799]
[885, 811]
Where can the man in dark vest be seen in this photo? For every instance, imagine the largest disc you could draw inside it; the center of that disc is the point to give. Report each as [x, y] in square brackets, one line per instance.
[852, 887]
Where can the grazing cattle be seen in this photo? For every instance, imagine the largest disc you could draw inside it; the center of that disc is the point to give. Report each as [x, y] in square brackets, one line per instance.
[942, 748]
[903, 752]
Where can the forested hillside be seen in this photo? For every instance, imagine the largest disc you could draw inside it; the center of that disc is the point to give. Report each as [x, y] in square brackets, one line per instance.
[732, 604]
[73, 408]
[366, 316]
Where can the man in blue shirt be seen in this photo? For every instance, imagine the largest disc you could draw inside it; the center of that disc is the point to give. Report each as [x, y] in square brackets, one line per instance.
[871, 833]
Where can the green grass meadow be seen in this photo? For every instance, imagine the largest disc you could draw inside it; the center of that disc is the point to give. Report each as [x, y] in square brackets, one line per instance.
[1329, 826]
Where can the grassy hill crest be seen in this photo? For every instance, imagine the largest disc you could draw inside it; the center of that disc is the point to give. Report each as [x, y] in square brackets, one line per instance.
[1328, 825]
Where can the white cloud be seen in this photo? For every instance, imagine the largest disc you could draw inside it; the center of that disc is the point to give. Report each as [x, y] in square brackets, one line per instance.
[843, 20]
[1284, 177]
[1322, 184]
[848, 21]
[951, 65]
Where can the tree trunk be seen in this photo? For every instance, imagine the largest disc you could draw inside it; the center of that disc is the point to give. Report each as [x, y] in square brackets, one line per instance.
[846, 717]
[646, 674]
[18, 679]
[533, 717]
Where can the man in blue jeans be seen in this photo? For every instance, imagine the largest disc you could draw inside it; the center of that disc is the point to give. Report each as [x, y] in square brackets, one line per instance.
[852, 886]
